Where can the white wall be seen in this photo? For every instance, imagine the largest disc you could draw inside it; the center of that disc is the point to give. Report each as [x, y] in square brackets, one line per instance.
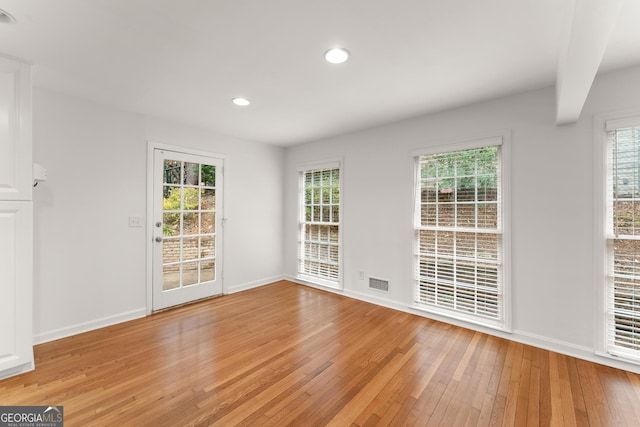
[552, 206]
[89, 266]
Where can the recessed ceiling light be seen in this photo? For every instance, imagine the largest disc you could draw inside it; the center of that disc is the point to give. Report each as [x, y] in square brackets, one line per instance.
[6, 18]
[337, 55]
[243, 102]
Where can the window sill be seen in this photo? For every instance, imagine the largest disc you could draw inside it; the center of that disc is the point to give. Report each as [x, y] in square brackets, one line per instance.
[455, 315]
[318, 281]
[620, 357]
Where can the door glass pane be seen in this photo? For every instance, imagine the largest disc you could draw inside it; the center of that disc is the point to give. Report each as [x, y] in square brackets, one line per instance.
[191, 201]
[170, 224]
[172, 171]
[190, 225]
[208, 224]
[208, 199]
[170, 250]
[190, 248]
[189, 273]
[207, 247]
[171, 198]
[191, 173]
[207, 270]
[170, 276]
[208, 176]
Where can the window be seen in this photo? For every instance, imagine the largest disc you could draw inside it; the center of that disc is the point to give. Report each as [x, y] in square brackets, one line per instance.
[623, 239]
[459, 232]
[319, 251]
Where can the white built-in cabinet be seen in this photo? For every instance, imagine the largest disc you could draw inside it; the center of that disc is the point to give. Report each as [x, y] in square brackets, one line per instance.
[16, 218]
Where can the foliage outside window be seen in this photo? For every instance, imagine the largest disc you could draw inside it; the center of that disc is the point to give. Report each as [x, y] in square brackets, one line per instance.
[184, 198]
[319, 232]
[623, 242]
[459, 234]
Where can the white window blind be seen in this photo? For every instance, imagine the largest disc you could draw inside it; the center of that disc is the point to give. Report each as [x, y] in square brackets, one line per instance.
[623, 240]
[459, 234]
[319, 225]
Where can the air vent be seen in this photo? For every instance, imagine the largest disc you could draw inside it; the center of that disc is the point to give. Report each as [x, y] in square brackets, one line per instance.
[378, 284]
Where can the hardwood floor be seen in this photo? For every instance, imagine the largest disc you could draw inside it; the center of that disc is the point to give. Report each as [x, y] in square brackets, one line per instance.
[286, 354]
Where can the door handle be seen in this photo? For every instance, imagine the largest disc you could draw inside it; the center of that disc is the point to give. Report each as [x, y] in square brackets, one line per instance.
[158, 239]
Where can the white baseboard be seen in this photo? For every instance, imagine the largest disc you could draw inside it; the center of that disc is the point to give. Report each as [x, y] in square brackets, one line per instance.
[255, 284]
[79, 328]
[27, 367]
[569, 349]
[523, 337]
[134, 314]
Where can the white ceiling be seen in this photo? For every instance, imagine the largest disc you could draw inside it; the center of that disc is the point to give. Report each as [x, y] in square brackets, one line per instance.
[184, 60]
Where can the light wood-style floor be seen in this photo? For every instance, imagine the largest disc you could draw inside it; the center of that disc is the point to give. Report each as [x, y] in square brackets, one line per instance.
[286, 354]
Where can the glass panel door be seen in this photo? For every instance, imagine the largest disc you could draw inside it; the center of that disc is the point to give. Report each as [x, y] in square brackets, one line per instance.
[187, 202]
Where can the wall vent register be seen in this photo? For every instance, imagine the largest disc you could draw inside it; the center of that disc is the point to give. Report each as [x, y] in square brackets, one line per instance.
[378, 284]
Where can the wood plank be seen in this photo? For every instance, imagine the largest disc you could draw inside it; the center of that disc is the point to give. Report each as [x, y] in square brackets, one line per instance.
[285, 354]
[354, 407]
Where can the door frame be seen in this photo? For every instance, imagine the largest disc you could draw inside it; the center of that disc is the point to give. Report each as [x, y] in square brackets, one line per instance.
[151, 147]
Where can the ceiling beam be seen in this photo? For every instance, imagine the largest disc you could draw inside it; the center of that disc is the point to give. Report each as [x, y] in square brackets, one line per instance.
[590, 24]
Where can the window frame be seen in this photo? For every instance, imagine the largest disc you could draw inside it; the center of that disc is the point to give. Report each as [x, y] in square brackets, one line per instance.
[604, 238]
[301, 275]
[503, 140]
